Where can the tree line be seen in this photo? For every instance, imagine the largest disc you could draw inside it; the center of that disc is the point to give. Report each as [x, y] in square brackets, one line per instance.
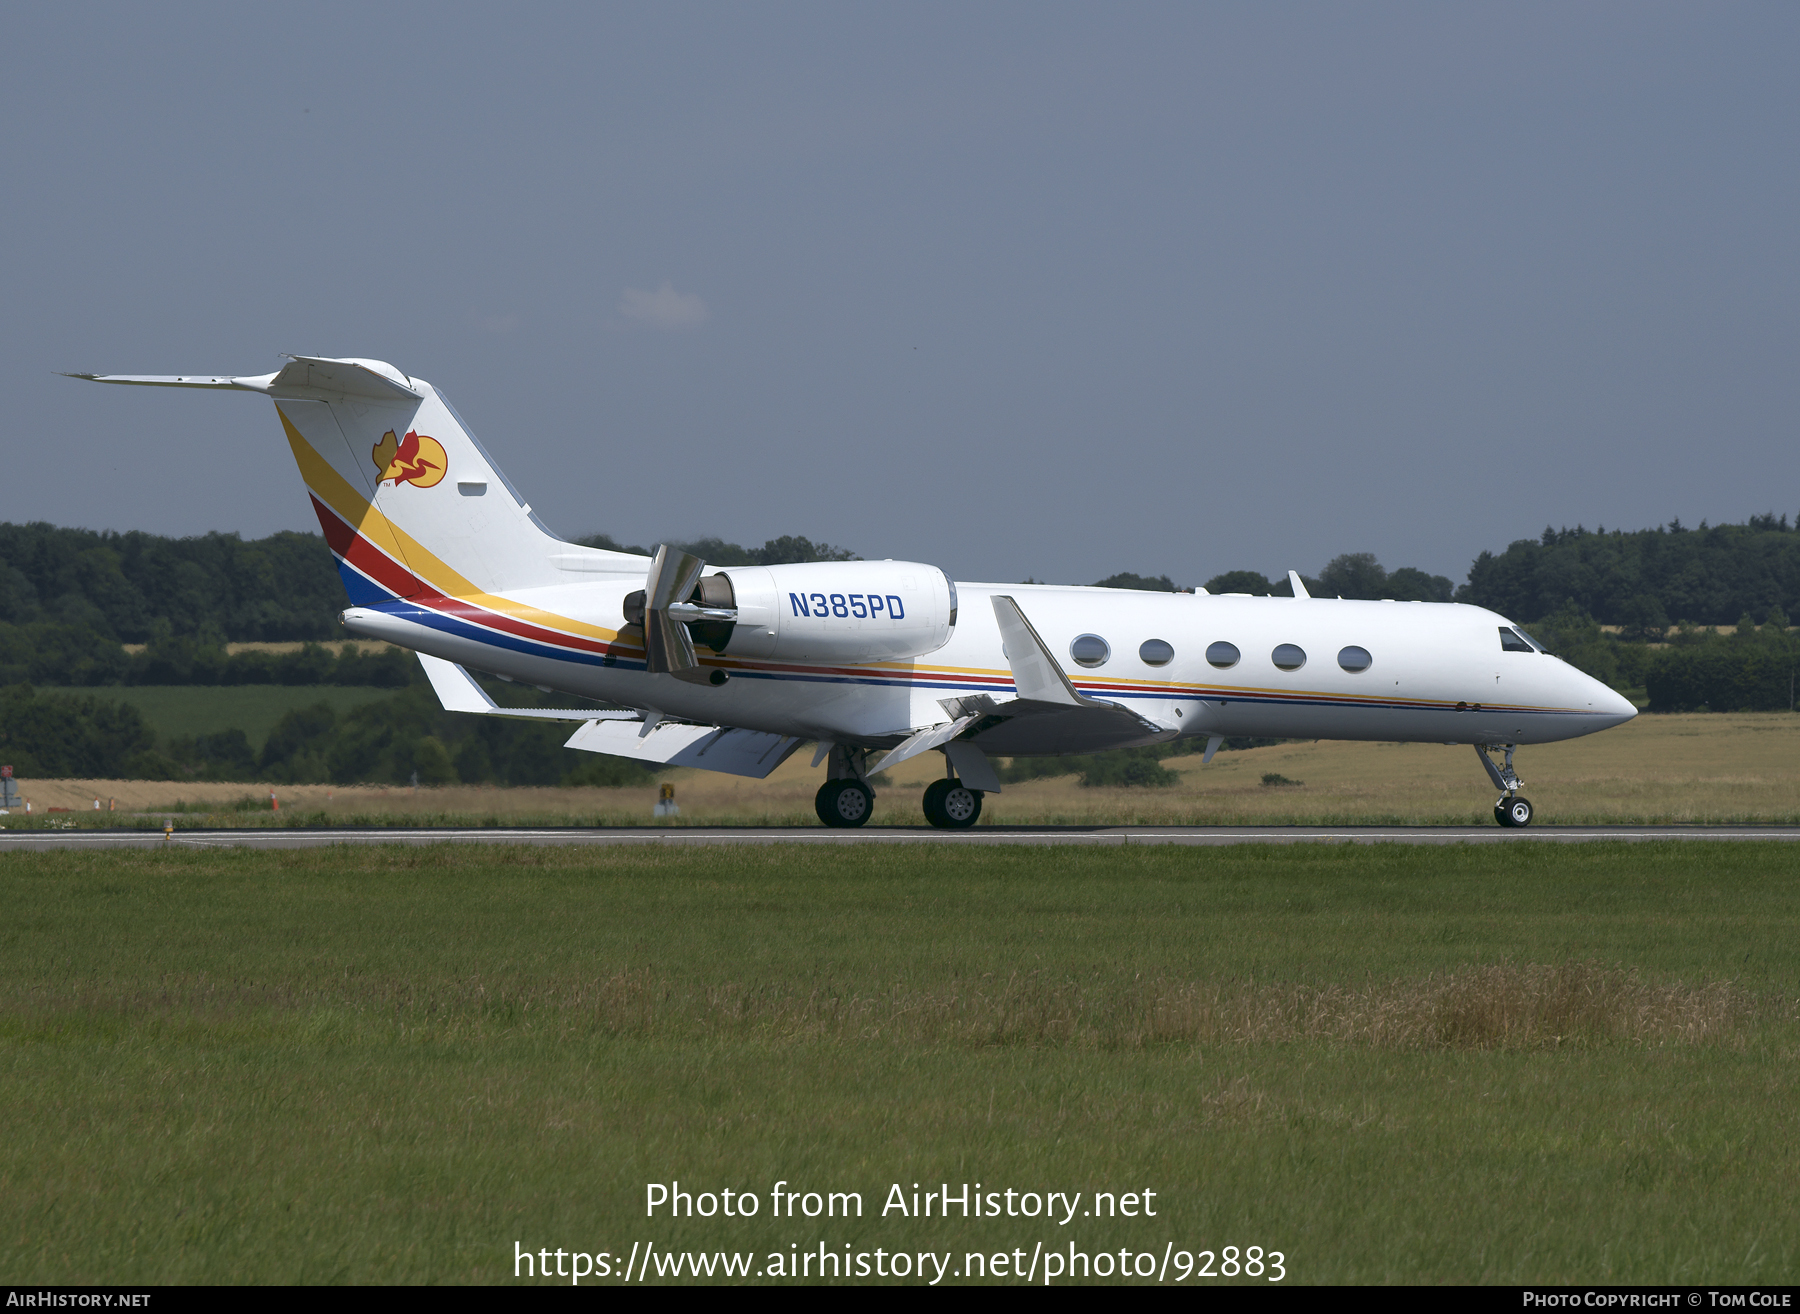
[219, 588]
[69, 600]
[404, 738]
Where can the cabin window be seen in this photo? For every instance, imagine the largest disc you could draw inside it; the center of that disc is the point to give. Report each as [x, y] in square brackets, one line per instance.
[1288, 656]
[1512, 641]
[1156, 652]
[1090, 650]
[1222, 654]
[1355, 659]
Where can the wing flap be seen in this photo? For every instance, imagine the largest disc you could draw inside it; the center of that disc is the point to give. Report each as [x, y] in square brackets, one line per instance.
[735, 752]
[923, 741]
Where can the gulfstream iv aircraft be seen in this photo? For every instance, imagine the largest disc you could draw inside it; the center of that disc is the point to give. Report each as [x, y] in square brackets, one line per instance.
[874, 662]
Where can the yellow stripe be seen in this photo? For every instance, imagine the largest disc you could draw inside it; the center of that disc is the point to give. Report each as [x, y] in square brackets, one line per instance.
[340, 496]
[337, 492]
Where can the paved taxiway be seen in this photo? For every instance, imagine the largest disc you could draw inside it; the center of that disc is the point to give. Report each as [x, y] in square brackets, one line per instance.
[982, 836]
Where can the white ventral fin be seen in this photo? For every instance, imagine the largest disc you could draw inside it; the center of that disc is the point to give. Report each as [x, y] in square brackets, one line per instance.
[457, 691]
[708, 747]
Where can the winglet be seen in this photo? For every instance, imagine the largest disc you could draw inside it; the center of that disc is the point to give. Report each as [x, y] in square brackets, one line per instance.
[1299, 588]
[1036, 674]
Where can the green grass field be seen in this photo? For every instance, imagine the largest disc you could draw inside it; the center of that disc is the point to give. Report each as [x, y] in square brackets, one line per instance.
[1529, 1063]
[200, 709]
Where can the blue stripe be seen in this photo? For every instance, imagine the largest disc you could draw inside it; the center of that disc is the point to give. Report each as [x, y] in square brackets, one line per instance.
[363, 591]
[383, 601]
[400, 609]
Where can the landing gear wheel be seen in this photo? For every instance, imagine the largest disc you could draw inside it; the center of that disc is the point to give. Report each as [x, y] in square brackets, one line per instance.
[843, 803]
[1514, 812]
[952, 805]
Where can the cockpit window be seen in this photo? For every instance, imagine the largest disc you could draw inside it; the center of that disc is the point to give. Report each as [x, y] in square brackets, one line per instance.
[1512, 640]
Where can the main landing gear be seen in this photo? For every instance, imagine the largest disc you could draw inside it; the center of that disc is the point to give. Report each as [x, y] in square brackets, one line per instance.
[952, 805]
[845, 800]
[1510, 810]
[844, 803]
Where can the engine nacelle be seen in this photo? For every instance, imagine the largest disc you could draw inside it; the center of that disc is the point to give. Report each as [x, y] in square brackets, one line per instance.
[840, 611]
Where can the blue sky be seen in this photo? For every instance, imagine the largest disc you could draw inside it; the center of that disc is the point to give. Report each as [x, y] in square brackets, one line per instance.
[1020, 290]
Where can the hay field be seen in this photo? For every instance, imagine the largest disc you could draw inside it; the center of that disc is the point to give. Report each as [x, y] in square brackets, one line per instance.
[1529, 1064]
[1657, 769]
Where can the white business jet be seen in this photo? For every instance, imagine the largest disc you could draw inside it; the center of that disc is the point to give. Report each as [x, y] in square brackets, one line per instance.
[873, 661]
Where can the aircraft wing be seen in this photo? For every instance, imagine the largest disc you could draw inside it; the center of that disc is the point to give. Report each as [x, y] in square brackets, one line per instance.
[625, 734]
[1049, 717]
[1024, 728]
[457, 691]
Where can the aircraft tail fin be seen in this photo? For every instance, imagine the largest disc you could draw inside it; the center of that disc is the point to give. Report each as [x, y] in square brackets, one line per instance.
[409, 500]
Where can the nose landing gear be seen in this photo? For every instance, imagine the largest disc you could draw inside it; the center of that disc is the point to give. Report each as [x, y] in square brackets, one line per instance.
[1510, 810]
[1513, 811]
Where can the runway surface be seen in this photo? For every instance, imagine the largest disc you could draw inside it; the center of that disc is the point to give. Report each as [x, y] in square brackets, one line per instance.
[982, 836]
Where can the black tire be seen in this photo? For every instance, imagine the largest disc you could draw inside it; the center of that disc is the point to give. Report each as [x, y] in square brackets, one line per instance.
[1518, 812]
[842, 804]
[1501, 815]
[933, 803]
[952, 805]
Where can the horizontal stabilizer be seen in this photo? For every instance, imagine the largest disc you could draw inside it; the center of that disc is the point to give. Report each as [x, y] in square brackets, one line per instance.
[710, 748]
[458, 692]
[302, 376]
[175, 380]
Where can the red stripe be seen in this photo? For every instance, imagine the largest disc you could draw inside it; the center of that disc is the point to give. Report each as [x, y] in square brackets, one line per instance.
[352, 547]
[385, 571]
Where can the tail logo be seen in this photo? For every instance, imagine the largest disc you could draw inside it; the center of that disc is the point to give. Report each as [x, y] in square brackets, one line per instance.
[415, 460]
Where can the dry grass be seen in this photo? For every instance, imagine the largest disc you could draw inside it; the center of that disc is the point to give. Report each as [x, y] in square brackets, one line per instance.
[1698, 768]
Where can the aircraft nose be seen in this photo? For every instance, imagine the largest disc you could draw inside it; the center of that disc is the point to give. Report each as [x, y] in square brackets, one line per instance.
[1611, 705]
